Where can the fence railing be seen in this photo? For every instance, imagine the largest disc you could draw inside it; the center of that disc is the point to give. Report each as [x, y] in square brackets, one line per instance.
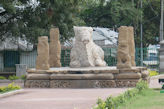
[8, 59]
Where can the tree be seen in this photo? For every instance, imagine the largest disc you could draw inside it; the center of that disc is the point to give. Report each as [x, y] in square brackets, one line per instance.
[24, 19]
[115, 13]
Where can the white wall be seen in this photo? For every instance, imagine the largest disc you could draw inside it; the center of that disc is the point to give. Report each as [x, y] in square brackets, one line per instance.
[28, 58]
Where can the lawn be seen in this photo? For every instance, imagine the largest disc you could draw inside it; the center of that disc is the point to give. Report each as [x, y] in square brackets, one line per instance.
[151, 99]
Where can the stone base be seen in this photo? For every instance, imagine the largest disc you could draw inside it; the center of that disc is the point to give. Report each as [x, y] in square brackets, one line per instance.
[103, 78]
[82, 84]
[127, 82]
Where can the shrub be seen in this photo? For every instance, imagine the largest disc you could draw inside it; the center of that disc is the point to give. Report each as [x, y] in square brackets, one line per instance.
[142, 85]
[23, 77]
[2, 77]
[10, 87]
[13, 77]
[114, 102]
[153, 73]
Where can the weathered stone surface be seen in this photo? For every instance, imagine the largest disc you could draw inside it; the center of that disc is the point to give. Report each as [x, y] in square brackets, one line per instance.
[145, 73]
[123, 56]
[82, 83]
[37, 83]
[128, 76]
[55, 48]
[85, 53]
[133, 70]
[141, 68]
[82, 76]
[38, 77]
[146, 79]
[126, 83]
[42, 61]
[131, 45]
[82, 70]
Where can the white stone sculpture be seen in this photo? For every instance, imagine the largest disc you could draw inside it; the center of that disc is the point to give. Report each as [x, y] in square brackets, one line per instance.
[85, 53]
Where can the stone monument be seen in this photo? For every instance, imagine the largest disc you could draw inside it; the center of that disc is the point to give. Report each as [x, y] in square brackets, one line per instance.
[131, 45]
[123, 56]
[85, 53]
[42, 61]
[55, 48]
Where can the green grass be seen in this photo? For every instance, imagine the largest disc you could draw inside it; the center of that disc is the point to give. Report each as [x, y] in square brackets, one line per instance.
[150, 99]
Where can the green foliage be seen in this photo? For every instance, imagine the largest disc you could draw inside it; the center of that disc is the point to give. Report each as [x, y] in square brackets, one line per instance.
[115, 102]
[10, 87]
[2, 77]
[153, 73]
[13, 77]
[23, 77]
[35, 20]
[142, 85]
[115, 13]
[151, 99]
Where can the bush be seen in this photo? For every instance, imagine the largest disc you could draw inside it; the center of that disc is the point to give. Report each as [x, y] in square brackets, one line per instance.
[2, 77]
[115, 102]
[10, 87]
[13, 77]
[142, 85]
[153, 73]
[23, 77]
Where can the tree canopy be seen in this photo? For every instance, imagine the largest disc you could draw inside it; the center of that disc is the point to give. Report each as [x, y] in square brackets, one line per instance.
[115, 13]
[30, 19]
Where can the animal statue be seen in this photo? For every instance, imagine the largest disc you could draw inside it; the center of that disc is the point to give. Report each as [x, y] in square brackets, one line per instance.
[85, 53]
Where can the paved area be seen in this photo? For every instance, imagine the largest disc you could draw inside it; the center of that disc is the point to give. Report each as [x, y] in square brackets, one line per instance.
[58, 98]
[63, 98]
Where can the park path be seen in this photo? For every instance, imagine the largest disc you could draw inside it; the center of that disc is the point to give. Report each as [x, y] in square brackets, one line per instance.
[58, 98]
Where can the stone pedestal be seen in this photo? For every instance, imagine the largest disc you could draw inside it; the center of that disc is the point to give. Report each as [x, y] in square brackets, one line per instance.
[161, 57]
[93, 77]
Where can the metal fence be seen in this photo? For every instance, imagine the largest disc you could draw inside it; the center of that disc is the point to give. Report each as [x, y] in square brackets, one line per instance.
[8, 59]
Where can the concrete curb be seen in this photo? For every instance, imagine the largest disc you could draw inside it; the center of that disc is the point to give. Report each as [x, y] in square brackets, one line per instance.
[10, 81]
[11, 93]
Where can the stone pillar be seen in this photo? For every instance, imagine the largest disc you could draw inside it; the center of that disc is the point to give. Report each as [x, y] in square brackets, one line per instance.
[131, 45]
[42, 61]
[123, 57]
[161, 57]
[55, 48]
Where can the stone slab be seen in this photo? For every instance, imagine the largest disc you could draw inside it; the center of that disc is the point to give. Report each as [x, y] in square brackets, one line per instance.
[38, 77]
[65, 70]
[128, 76]
[81, 77]
[82, 83]
[132, 70]
[141, 68]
